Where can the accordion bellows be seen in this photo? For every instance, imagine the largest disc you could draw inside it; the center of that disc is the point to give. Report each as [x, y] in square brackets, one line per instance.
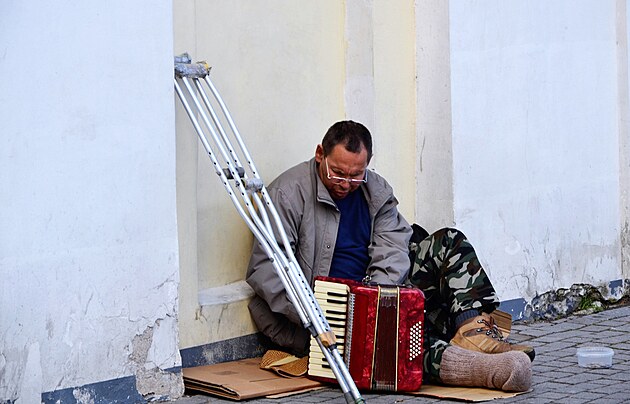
[379, 332]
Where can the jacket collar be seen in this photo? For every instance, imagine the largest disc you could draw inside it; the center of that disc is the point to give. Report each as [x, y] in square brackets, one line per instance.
[376, 194]
[319, 187]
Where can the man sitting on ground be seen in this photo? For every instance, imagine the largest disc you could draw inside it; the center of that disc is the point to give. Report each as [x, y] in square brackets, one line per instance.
[343, 222]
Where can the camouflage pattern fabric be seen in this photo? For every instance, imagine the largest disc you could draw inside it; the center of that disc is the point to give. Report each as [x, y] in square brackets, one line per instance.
[445, 267]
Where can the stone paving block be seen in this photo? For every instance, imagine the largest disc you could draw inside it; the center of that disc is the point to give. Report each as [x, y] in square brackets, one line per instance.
[621, 353]
[609, 400]
[618, 339]
[578, 378]
[620, 397]
[543, 367]
[588, 396]
[533, 400]
[604, 381]
[619, 376]
[570, 364]
[562, 325]
[583, 342]
[570, 400]
[571, 334]
[547, 373]
[552, 386]
[612, 325]
[563, 356]
[622, 327]
[594, 328]
[615, 315]
[559, 375]
[550, 395]
[558, 358]
[338, 399]
[610, 333]
[586, 387]
[548, 350]
[329, 392]
[559, 347]
[383, 400]
[622, 368]
[586, 320]
[599, 373]
[539, 379]
[536, 332]
[624, 386]
[608, 390]
[552, 338]
[544, 379]
[579, 336]
[553, 372]
[568, 389]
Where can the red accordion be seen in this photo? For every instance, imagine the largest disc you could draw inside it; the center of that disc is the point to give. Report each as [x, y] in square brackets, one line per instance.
[379, 331]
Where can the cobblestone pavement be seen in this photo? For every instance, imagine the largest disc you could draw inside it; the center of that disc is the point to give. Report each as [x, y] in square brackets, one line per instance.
[557, 378]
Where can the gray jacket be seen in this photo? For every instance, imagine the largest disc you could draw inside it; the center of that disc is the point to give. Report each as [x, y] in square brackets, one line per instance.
[311, 219]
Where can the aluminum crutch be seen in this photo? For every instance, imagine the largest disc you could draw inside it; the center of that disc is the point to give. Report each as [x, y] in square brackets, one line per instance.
[191, 82]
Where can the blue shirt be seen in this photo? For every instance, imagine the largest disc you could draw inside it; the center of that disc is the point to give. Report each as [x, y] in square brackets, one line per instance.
[350, 258]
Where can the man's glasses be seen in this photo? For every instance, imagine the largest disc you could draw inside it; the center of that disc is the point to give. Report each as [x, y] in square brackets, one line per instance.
[341, 180]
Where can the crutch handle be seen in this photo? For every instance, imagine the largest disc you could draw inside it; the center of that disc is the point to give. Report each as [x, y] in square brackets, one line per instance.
[328, 338]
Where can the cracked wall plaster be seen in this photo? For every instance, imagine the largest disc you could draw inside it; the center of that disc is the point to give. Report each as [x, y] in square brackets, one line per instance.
[152, 380]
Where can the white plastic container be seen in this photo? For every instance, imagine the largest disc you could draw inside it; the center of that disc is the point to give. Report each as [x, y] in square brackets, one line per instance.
[595, 357]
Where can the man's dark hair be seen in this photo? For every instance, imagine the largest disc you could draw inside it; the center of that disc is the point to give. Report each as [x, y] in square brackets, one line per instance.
[352, 135]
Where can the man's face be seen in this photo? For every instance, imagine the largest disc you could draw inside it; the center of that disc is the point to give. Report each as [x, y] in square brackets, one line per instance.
[340, 166]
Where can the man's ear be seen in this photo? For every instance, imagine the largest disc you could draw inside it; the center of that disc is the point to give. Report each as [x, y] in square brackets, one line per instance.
[319, 154]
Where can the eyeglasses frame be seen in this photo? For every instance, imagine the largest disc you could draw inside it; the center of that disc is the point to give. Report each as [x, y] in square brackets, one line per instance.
[340, 180]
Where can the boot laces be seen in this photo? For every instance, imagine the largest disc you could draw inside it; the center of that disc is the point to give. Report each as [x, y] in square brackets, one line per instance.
[490, 328]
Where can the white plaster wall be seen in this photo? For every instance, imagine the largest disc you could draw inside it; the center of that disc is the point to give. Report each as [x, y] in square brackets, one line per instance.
[394, 129]
[434, 156]
[535, 140]
[88, 247]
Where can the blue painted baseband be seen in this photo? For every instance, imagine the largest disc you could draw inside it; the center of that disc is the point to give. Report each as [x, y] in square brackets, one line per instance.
[247, 346]
[121, 390]
[124, 390]
[617, 287]
[516, 307]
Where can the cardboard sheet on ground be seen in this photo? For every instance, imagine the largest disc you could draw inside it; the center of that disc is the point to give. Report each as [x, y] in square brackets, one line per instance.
[242, 380]
[473, 394]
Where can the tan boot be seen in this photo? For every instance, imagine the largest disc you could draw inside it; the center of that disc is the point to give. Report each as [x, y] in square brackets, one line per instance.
[507, 371]
[481, 334]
